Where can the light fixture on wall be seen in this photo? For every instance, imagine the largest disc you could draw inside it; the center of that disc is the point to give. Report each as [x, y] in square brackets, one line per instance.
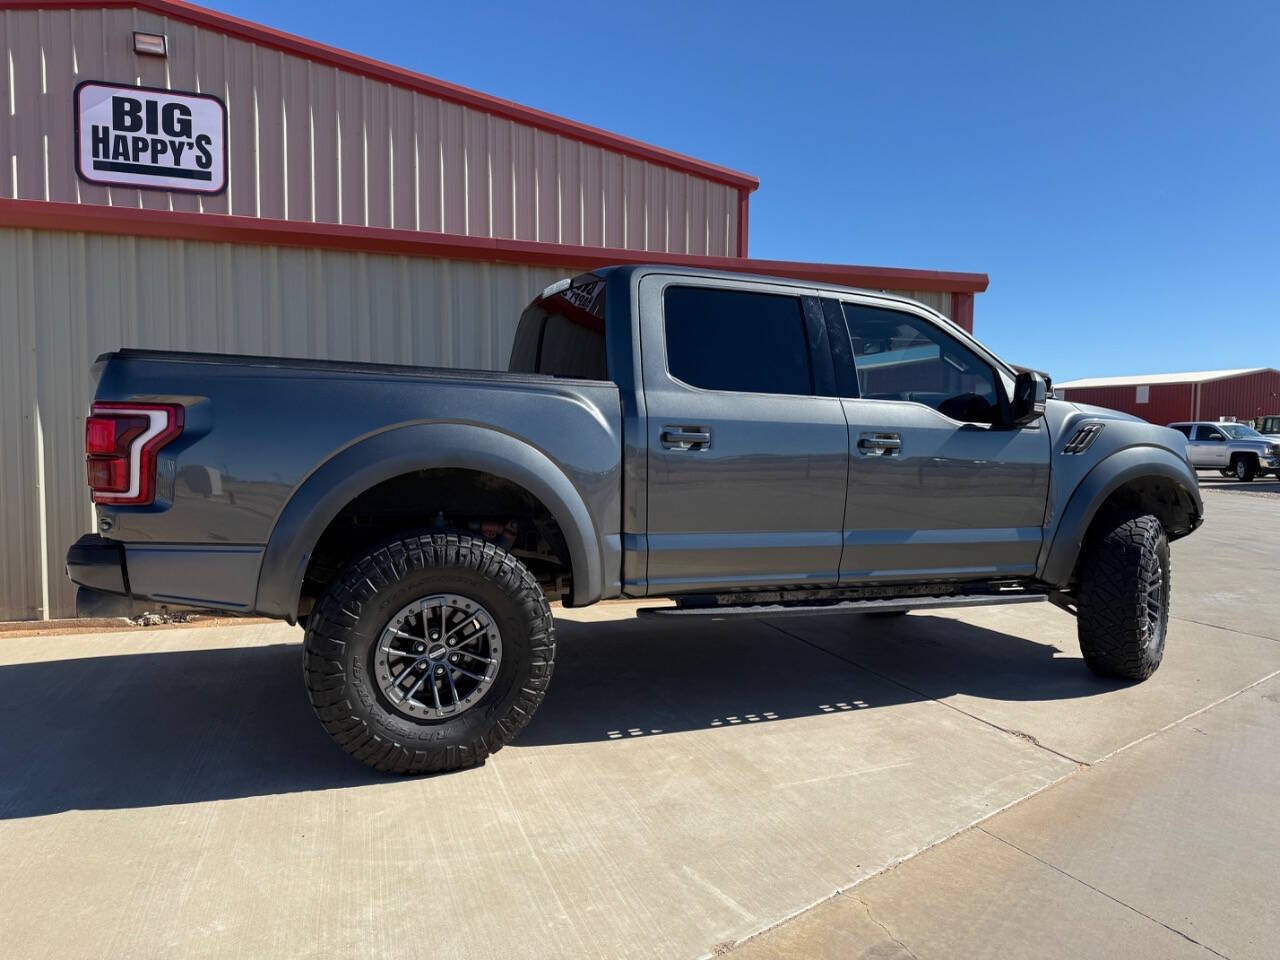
[152, 44]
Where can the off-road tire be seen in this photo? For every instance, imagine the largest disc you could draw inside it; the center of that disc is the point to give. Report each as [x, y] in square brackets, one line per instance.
[1119, 636]
[1245, 468]
[349, 619]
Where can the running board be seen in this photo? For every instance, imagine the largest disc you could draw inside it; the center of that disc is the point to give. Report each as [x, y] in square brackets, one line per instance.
[892, 605]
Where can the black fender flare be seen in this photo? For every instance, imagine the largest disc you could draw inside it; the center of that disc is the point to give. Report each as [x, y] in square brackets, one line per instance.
[1107, 476]
[404, 449]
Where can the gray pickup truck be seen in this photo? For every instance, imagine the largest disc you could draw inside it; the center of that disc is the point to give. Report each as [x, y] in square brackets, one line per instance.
[748, 446]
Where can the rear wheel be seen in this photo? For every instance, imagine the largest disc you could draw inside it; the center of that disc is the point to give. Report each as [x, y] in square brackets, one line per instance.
[1123, 602]
[1245, 468]
[429, 653]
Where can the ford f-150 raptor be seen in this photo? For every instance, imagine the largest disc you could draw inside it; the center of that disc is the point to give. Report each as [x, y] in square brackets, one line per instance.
[745, 445]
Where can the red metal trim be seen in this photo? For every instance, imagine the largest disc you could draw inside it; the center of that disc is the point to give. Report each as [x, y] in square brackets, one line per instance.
[744, 211]
[962, 308]
[221, 228]
[377, 70]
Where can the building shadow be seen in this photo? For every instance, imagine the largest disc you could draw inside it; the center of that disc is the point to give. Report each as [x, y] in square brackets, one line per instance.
[137, 730]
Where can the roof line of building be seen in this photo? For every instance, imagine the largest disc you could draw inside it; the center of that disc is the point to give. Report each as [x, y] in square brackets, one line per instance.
[1155, 379]
[225, 228]
[378, 70]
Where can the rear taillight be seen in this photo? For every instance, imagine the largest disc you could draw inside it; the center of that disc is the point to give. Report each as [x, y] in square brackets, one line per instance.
[120, 445]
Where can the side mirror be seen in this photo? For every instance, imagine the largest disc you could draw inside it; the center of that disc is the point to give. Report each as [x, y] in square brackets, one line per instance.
[1029, 393]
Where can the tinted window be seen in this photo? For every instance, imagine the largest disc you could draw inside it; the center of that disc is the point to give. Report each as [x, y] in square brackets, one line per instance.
[1207, 433]
[900, 356]
[1182, 428]
[736, 340]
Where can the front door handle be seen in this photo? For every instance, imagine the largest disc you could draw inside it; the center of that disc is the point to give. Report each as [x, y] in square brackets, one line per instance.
[879, 444]
[683, 438]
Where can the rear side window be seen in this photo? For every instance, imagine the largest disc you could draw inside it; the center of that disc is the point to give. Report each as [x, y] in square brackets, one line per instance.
[737, 340]
[1184, 429]
[563, 334]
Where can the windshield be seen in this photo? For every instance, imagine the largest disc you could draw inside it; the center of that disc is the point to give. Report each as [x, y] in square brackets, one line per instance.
[1238, 431]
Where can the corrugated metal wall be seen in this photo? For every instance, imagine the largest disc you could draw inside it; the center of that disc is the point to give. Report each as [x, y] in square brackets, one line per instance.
[312, 142]
[1166, 402]
[1245, 398]
[67, 297]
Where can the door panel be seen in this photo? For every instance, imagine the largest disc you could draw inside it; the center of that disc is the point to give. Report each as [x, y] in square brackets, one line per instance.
[745, 489]
[939, 487]
[1208, 447]
[948, 501]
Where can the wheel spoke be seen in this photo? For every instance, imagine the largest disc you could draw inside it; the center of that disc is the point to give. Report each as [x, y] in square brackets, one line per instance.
[414, 688]
[457, 700]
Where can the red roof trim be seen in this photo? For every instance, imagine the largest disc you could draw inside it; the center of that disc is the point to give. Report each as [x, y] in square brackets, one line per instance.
[377, 70]
[220, 228]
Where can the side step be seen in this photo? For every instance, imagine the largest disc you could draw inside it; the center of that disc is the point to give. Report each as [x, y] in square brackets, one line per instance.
[892, 605]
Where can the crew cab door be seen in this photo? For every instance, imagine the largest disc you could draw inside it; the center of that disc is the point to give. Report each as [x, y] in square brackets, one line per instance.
[939, 487]
[1208, 446]
[747, 460]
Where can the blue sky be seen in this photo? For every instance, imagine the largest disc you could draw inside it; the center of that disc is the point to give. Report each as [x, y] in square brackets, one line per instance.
[1113, 167]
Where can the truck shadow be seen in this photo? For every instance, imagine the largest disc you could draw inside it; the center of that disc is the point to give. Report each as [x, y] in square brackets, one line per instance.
[152, 729]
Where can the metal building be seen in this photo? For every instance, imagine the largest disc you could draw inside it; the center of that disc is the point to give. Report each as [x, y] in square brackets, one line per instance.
[171, 177]
[1169, 397]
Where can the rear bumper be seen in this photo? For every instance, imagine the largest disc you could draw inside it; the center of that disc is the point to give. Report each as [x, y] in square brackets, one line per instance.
[206, 575]
[98, 564]
[99, 568]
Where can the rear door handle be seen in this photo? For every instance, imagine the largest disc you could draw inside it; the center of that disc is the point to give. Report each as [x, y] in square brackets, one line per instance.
[682, 438]
[879, 444]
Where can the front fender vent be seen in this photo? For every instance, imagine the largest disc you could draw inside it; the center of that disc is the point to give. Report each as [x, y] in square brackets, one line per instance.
[1083, 438]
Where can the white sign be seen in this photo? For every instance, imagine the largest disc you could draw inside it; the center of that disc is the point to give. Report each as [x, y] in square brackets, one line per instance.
[145, 137]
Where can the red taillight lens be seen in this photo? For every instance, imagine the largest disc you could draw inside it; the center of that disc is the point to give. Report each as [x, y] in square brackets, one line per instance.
[113, 433]
[120, 444]
[108, 474]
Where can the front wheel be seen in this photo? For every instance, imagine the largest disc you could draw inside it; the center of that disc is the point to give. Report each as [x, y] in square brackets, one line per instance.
[1245, 469]
[1123, 608]
[429, 653]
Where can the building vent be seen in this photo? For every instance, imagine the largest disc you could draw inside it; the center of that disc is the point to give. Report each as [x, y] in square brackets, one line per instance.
[1083, 438]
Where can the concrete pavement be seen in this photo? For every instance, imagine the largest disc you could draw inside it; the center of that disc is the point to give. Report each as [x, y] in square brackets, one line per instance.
[684, 787]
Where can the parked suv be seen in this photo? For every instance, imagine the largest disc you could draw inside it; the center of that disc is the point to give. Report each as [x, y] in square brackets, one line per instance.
[1233, 449]
[747, 445]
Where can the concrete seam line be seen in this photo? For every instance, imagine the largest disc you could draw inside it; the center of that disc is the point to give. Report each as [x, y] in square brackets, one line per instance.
[1218, 626]
[1194, 713]
[1085, 883]
[1019, 734]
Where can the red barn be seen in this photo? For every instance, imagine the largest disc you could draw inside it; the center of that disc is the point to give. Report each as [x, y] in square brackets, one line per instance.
[1168, 397]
